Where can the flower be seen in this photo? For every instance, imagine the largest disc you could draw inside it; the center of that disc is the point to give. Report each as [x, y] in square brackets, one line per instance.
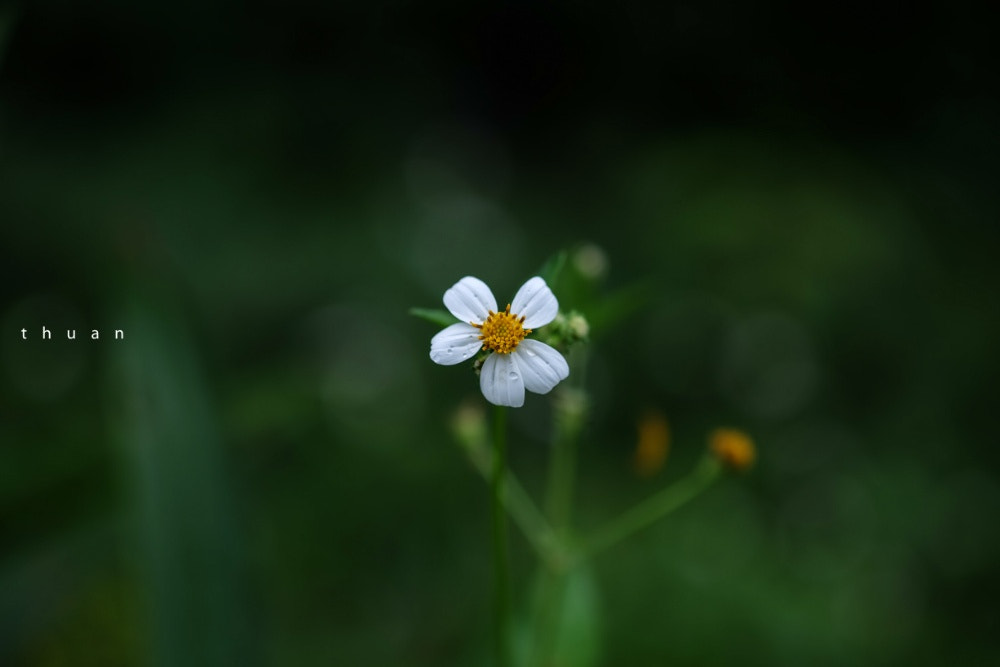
[578, 326]
[654, 444]
[517, 362]
[733, 448]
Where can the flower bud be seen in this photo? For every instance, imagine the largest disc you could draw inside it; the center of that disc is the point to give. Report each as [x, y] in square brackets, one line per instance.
[733, 448]
[653, 445]
[468, 425]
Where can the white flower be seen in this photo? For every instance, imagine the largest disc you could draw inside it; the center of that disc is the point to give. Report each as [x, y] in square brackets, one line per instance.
[517, 363]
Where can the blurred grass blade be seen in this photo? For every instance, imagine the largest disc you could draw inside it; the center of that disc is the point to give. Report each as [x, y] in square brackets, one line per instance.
[435, 316]
[176, 480]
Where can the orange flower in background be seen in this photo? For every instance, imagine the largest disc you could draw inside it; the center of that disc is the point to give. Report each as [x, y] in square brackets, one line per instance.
[653, 445]
[733, 448]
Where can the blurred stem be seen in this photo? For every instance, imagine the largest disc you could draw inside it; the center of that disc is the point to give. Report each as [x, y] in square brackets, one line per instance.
[654, 508]
[569, 409]
[521, 509]
[569, 413]
[501, 560]
[560, 497]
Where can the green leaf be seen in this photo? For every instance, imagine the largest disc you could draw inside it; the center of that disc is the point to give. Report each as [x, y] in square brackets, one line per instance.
[616, 307]
[579, 631]
[433, 315]
[564, 624]
[553, 267]
[181, 507]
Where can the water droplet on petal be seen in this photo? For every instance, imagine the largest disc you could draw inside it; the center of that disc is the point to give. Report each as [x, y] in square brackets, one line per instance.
[512, 375]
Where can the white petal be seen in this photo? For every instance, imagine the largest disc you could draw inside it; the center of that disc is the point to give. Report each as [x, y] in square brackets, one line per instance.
[501, 381]
[455, 344]
[541, 366]
[470, 300]
[536, 302]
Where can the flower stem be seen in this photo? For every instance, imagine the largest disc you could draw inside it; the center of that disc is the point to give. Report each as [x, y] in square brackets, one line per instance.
[501, 561]
[521, 509]
[654, 508]
[569, 410]
[560, 501]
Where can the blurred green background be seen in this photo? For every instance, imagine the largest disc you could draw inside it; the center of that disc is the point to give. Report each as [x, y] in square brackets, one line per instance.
[792, 210]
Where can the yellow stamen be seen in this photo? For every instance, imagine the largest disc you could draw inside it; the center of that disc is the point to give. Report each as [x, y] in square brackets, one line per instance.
[501, 332]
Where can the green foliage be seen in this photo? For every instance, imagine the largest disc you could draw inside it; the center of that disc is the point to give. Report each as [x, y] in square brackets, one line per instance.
[820, 274]
[435, 316]
[552, 268]
[564, 625]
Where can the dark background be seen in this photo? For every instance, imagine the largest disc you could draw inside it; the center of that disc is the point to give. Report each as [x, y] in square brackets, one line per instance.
[797, 208]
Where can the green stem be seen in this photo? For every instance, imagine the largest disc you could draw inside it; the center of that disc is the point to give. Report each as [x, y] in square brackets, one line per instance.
[654, 508]
[569, 411]
[521, 509]
[501, 562]
[560, 500]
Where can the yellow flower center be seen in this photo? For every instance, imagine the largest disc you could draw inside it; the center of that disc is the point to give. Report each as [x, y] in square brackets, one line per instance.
[501, 332]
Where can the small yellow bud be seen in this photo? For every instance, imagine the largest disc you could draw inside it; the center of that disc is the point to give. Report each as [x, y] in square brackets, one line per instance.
[654, 444]
[733, 448]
